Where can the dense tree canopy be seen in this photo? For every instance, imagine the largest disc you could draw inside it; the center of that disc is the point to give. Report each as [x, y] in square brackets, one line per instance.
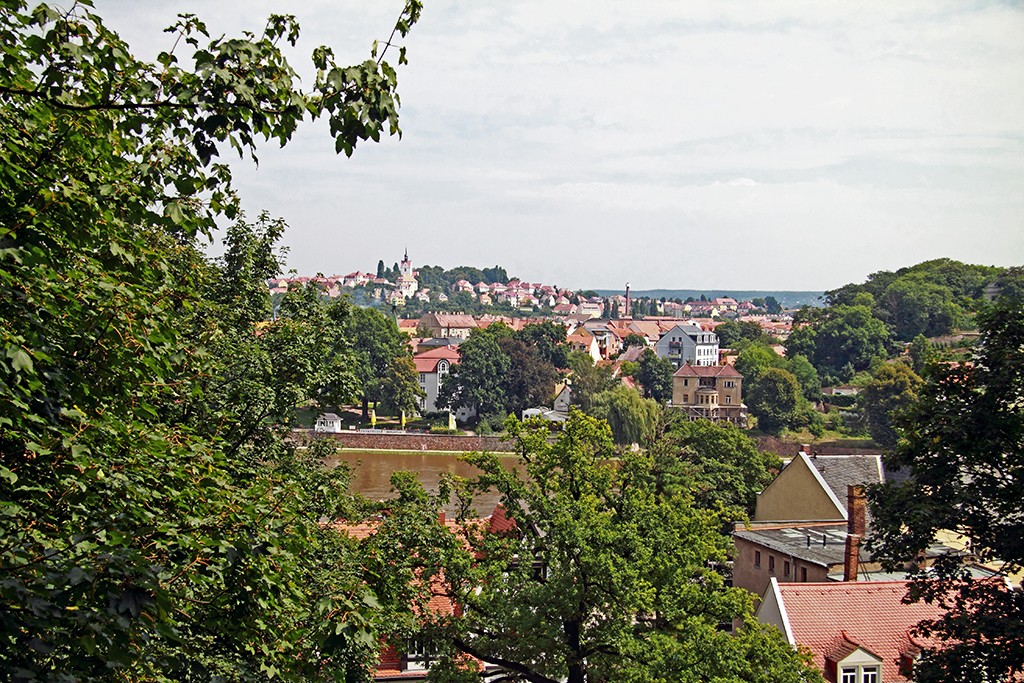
[725, 465]
[632, 419]
[892, 389]
[840, 338]
[384, 366]
[501, 371]
[962, 442]
[655, 376]
[774, 400]
[588, 378]
[608, 573]
[155, 525]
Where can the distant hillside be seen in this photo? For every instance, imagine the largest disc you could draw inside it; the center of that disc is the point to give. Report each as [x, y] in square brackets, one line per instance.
[785, 299]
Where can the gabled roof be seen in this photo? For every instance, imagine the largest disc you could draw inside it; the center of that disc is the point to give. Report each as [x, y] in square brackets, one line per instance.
[428, 360]
[454, 320]
[687, 370]
[834, 618]
[839, 471]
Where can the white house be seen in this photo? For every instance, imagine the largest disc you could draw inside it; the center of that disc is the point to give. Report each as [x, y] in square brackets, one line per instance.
[328, 422]
[688, 343]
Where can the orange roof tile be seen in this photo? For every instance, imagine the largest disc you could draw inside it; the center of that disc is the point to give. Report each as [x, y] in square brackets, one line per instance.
[835, 618]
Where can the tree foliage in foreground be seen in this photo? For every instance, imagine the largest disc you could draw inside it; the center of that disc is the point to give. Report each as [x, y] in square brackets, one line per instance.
[962, 441]
[609, 574]
[155, 527]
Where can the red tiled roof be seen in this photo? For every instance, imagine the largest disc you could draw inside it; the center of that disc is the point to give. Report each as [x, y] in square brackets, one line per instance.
[833, 619]
[687, 370]
[428, 360]
[454, 320]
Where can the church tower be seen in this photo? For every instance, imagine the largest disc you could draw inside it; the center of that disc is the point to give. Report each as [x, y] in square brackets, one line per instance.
[407, 277]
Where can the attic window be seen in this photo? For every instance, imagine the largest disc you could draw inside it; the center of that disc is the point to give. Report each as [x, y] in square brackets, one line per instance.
[859, 674]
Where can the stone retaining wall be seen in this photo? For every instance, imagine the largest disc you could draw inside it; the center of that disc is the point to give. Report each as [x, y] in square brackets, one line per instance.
[414, 441]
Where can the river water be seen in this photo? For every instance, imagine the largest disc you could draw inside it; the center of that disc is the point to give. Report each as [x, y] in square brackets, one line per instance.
[371, 472]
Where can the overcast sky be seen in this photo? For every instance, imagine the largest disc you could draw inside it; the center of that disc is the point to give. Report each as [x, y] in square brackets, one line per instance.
[671, 144]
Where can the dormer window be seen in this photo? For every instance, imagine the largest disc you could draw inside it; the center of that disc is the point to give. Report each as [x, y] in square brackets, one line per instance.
[859, 674]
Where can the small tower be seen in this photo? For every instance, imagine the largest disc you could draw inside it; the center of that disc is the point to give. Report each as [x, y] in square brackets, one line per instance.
[407, 278]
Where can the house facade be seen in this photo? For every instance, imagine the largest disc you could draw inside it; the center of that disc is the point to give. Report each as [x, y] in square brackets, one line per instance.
[433, 367]
[812, 488]
[688, 344]
[448, 325]
[712, 392]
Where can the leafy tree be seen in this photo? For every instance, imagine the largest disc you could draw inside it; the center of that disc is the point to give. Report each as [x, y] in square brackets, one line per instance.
[606, 573]
[156, 526]
[774, 400]
[384, 366]
[726, 466]
[549, 340]
[921, 353]
[530, 379]
[892, 389]
[655, 375]
[731, 333]
[912, 305]
[634, 339]
[500, 372]
[495, 274]
[772, 305]
[810, 385]
[755, 359]
[588, 379]
[632, 419]
[476, 382]
[380, 268]
[839, 336]
[962, 443]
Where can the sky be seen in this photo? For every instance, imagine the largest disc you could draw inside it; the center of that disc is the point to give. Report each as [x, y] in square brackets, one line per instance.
[787, 145]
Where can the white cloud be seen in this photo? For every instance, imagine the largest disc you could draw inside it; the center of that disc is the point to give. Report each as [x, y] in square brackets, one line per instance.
[592, 142]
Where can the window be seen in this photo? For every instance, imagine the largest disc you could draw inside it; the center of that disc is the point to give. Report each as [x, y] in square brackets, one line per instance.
[757, 558]
[729, 384]
[728, 400]
[423, 378]
[785, 568]
[419, 654]
[859, 674]
[771, 563]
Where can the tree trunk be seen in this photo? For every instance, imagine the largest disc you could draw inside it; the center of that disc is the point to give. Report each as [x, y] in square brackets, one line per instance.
[366, 408]
[577, 667]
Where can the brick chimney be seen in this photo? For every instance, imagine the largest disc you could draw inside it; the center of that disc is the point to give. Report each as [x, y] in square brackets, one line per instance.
[855, 516]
